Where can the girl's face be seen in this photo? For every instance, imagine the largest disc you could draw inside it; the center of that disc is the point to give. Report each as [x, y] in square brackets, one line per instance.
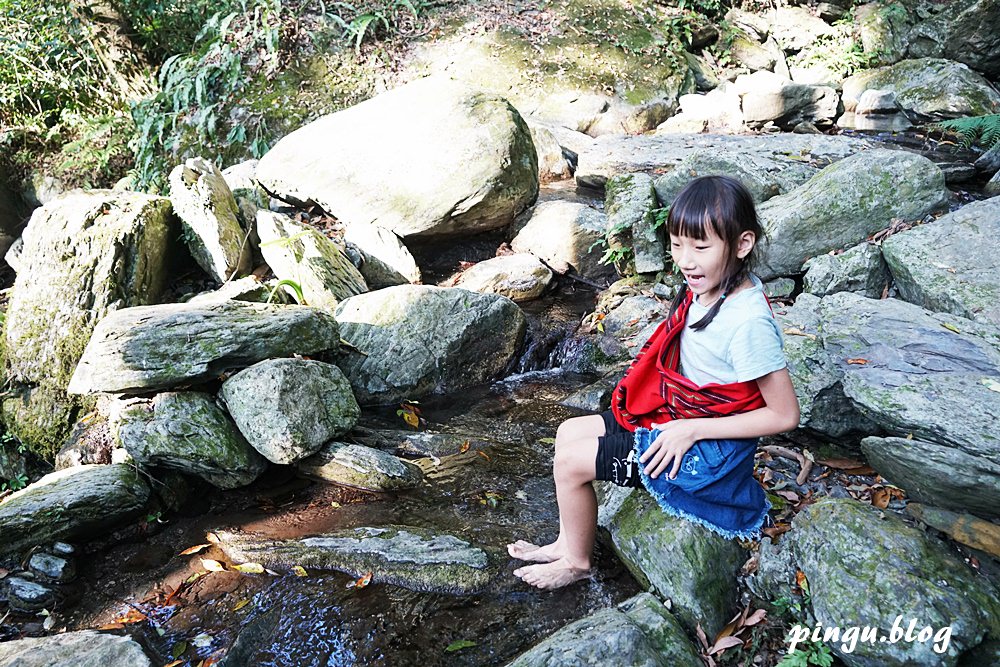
[703, 264]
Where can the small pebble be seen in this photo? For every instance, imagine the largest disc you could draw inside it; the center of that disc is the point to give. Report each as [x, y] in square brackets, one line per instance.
[52, 567]
[62, 549]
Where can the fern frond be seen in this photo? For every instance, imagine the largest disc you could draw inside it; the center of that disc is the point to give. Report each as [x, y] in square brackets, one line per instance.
[982, 130]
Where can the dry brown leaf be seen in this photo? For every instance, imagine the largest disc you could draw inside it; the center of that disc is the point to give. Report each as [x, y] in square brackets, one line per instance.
[484, 455]
[858, 361]
[755, 618]
[795, 331]
[212, 565]
[880, 498]
[193, 550]
[724, 643]
[840, 464]
[464, 448]
[776, 530]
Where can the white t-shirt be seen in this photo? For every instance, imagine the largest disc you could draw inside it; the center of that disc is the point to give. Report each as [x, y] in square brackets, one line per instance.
[742, 343]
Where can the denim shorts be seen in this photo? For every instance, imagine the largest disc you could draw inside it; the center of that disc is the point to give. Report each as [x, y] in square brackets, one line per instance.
[616, 458]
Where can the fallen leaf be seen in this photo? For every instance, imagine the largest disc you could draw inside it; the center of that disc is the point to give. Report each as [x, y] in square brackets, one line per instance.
[464, 448]
[239, 605]
[483, 454]
[755, 618]
[193, 550]
[795, 331]
[364, 580]
[951, 327]
[860, 470]
[840, 464]
[548, 441]
[991, 384]
[178, 649]
[459, 645]
[250, 568]
[212, 565]
[299, 571]
[119, 626]
[724, 643]
[880, 498]
[857, 361]
[175, 663]
[202, 640]
[789, 495]
[776, 530]
[801, 581]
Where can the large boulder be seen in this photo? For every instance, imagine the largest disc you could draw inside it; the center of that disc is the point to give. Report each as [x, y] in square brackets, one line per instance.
[639, 631]
[159, 347]
[860, 269]
[866, 567]
[83, 256]
[186, 431]
[71, 504]
[965, 31]
[563, 234]
[288, 408]
[413, 340]
[950, 265]
[86, 648]
[462, 162]
[413, 558]
[771, 98]
[630, 204]
[385, 260]
[719, 111]
[304, 256]
[927, 89]
[210, 217]
[845, 203]
[884, 30]
[519, 277]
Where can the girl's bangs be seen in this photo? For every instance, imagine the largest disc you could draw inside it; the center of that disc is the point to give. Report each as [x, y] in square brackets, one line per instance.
[690, 218]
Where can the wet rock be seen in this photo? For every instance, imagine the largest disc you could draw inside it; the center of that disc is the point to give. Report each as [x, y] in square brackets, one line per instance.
[520, 277]
[413, 558]
[692, 566]
[769, 98]
[639, 631]
[860, 269]
[210, 216]
[463, 161]
[27, 597]
[62, 549]
[927, 89]
[303, 255]
[86, 648]
[865, 567]
[159, 347]
[361, 467]
[949, 265]
[845, 203]
[186, 431]
[287, 408]
[413, 340]
[562, 234]
[385, 260]
[552, 164]
[612, 155]
[52, 568]
[69, 504]
[630, 204]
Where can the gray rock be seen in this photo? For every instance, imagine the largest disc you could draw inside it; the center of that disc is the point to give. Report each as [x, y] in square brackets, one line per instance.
[519, 277]
[884, 30]
[992, 187]
[613, 155]
[186, 431]
[633, 314]
[966, 31]
[927, 89]
[988, 162]
[413, 558]
[690, 565]
[895, 122]
[769, 98]
[385, 260]
[287, 408]
[210, 217]
[27, 597]
[69, 504]
[86, 648]
[552, 164]
[413, 340]
[846, 202]
[243, 289]
[937, 474]
[52, 568]
[638, 632]
[462, 162]
[563, 234]
[876, 101]
[860, 269]
[949, 265]
[62, 549]
[780, 288]
[630, 204]
[158, 347]
[361, 467]
[865, 567]
[718, 112]
[315, 263]
[704, 77]
[795, 28]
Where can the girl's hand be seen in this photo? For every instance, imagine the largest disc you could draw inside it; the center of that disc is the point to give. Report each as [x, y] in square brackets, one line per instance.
[675, 439]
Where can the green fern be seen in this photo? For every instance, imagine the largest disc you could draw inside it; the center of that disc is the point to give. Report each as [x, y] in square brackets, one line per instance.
[982, 130]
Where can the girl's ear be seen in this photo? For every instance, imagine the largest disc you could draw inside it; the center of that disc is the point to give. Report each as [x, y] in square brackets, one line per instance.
[745, 244]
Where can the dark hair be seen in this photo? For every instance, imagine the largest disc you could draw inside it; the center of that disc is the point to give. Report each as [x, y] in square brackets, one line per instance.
[725, 204]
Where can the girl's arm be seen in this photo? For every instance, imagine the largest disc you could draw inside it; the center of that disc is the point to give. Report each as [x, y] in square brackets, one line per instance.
[780, 414]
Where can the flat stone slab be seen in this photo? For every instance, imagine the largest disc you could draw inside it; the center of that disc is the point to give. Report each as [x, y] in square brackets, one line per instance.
[413, 558]
[361, 467]
[87, 648]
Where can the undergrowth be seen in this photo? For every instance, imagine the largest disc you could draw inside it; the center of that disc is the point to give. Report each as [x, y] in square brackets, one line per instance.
[981, 130]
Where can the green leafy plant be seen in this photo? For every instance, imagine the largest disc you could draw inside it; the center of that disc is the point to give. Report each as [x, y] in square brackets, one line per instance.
[813, 653]
[982, 130]
[295, 288]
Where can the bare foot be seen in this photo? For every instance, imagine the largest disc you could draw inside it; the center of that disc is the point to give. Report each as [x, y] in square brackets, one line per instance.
[522, 550]
[556, 574]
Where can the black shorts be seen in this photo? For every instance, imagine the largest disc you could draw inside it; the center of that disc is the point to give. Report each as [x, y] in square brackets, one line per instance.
[616, 458]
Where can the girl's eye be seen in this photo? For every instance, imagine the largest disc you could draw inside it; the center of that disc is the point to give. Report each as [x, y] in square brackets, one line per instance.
[701, 247]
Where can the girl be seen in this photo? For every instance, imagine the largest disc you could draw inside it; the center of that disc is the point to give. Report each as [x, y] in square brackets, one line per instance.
[709, 382]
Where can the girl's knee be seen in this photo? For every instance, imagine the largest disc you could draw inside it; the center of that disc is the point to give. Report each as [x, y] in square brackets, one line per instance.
[579, 428]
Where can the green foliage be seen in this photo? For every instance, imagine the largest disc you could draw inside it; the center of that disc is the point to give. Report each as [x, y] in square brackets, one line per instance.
[165, 28]
[15, 483]
[389, 14]
[707, 7]
[982, 130]
[840, 52]
[813, 653]
[295, 288]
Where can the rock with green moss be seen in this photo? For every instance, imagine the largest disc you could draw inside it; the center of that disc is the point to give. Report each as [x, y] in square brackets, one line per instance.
[950, 265]
[927, 89]
[965, 32]
[413, 558]
[640, 632]
[884, 30]
[361, 467]
[210, 218]
[845, 203]
[385, 260]
[159, 347]
[413, 340]
[687, 563]
[771, 98]
[186, 431]
[248, 289]
[860, 269]
[288, 408]
[612, 155]
[926, 471]
[459, 161]
[85, 648]
[795, 28]
[73, 504]
[563, 234]
[83, 256]
[630, 204]
[306, 257]
[519, 277]
[866, 567]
